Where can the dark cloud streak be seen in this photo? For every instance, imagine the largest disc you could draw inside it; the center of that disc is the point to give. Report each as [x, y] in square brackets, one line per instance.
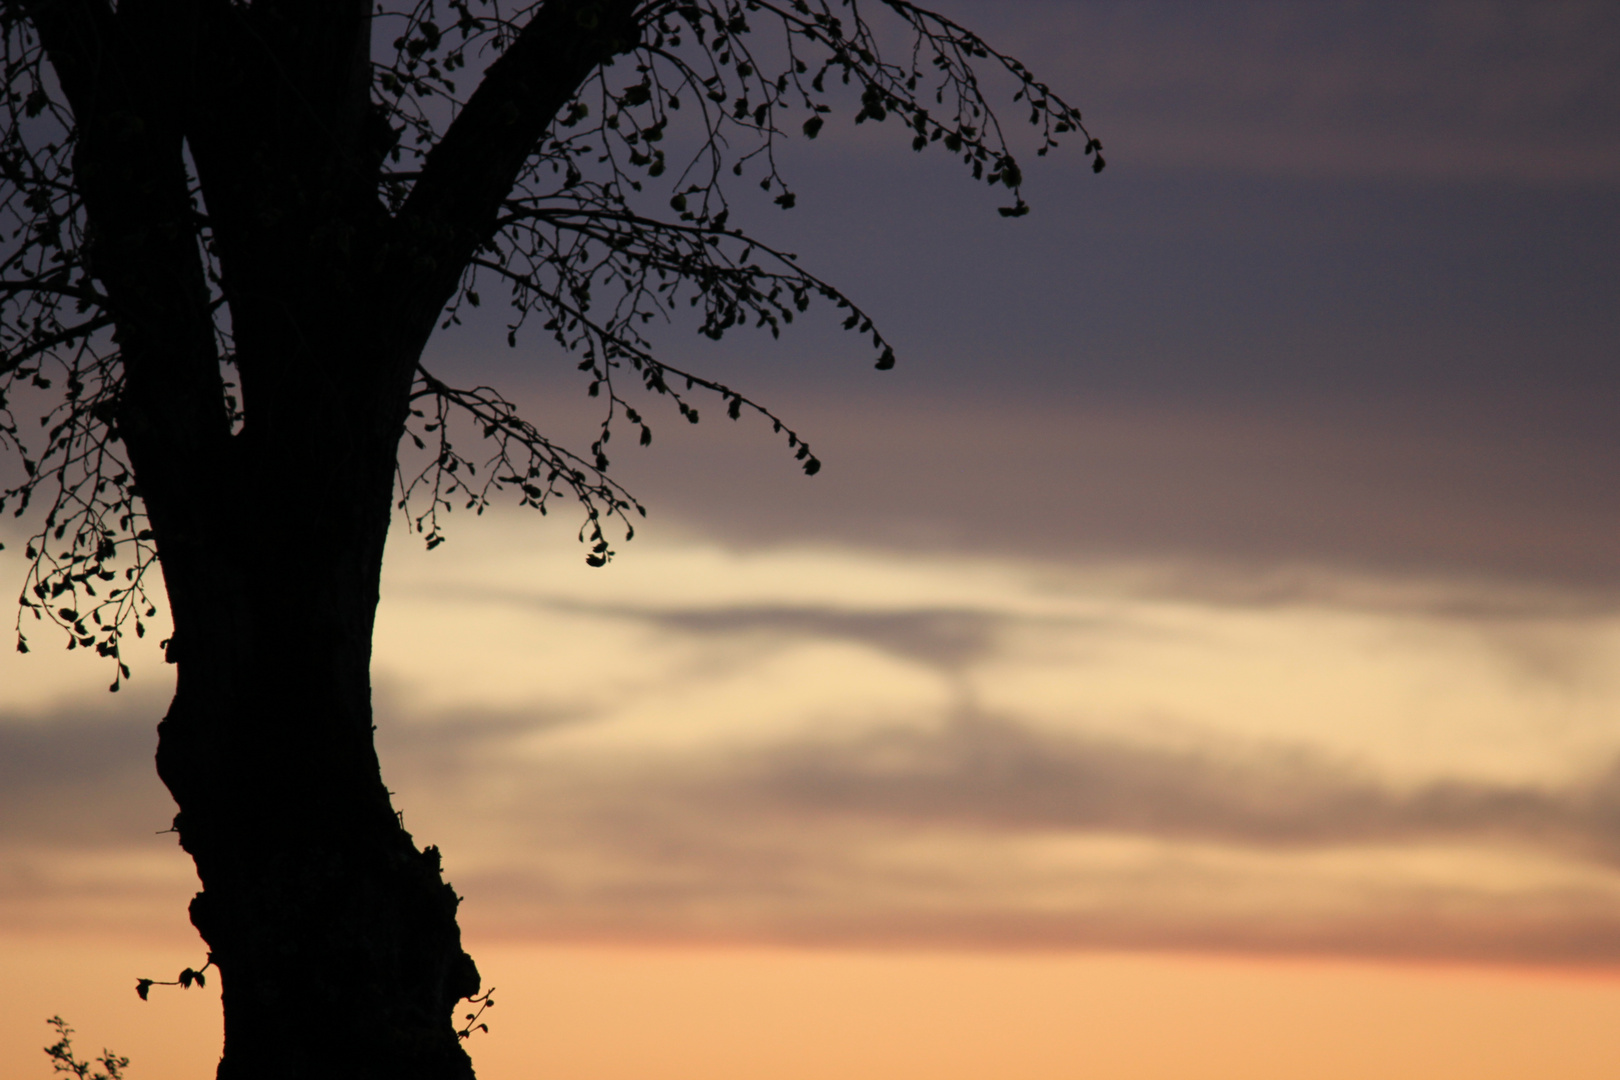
[797, 843]
[83, 777]
[981, 773]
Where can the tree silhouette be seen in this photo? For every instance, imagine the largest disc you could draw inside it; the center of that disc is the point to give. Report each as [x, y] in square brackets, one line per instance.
[231, 227]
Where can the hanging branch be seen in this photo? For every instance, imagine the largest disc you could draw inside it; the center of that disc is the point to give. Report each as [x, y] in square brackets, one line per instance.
[607, 228]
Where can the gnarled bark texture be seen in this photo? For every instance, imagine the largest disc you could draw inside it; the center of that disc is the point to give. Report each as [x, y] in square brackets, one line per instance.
[335, 938]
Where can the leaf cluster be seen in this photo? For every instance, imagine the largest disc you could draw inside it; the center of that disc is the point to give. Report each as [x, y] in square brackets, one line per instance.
[586, 249]
[63, 1059]
[620, 219]
[87, 562]
[473, 1021]
[187, 976]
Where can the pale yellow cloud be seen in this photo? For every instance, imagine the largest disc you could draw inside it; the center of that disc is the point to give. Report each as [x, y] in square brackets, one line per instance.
[835, 744]
[1367, 675]
[841, 744]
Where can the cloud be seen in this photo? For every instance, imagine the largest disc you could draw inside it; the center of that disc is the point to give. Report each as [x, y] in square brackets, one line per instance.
[82, 776]
[984, 833]
[84, 841]
[942, 637]
[977, 832]
[1101, 776]
[995, 776]
[947, 638]
[1353, 486]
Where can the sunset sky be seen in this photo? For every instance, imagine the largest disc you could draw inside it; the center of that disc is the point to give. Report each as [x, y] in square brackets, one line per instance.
[1199, 658]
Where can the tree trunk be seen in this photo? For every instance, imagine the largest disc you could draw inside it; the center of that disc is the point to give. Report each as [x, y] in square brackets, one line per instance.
[335, 938]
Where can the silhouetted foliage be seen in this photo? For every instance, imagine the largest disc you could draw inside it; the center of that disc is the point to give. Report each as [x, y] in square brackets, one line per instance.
[230, 229]
[568, 230]
[184, 980]
[64, 1061]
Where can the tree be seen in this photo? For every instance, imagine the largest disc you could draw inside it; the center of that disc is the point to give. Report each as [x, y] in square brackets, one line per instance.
[232, 227]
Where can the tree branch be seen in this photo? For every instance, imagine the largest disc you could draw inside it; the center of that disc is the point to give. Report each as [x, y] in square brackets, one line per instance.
[12, 361]
[75, 34]
[454, 205]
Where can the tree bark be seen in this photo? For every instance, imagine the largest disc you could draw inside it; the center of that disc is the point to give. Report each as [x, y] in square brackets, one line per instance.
[335, 938]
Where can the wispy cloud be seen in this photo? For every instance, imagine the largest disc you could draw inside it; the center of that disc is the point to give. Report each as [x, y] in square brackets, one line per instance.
[1354, 486]
[84, 821]
[986, 834]
[856, 747]
[82, 775]
[978, 832]
[1088, 773]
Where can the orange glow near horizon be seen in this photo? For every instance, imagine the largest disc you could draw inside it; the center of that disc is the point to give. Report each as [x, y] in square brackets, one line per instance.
[620, 1013]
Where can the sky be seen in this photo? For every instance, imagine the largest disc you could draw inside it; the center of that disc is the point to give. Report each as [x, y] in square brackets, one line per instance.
[1199, 657]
